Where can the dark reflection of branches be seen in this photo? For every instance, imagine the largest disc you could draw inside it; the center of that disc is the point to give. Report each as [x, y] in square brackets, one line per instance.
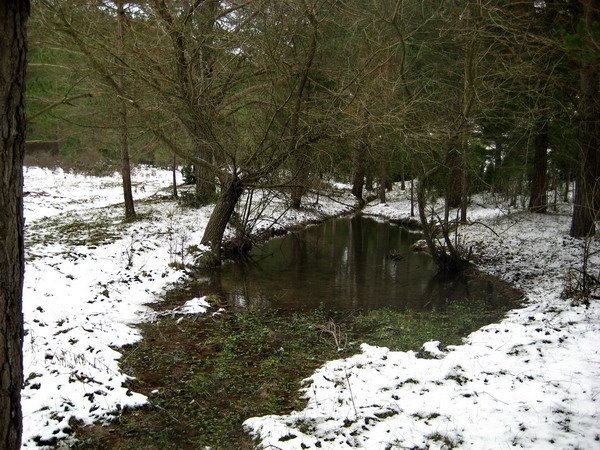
[442, 287]
[357, 260]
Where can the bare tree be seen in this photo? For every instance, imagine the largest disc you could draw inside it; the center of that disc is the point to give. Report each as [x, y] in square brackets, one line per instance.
[587, 188]
[13, 50]
[123, 124]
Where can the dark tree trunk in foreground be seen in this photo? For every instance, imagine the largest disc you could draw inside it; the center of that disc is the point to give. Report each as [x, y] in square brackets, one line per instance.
[13, 49]
[231, 191]
[538, 198]
[587, 185]
[123, 128]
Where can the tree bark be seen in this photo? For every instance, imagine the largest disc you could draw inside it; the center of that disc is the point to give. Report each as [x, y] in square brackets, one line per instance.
[454, 181]
[381, 187]
[567, 183]
[358, 175]
[205, 185]
[125, 164]
[587, 184]
[123, 128]
[174, 171]
[231, 191]
[13, 55]
[412, 196]
[300, 181]
[538, 197]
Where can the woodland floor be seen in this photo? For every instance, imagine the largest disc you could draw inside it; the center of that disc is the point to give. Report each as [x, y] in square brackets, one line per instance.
[531, 380]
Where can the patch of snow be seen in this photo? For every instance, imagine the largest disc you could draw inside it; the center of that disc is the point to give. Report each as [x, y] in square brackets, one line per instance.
[433, 348]
[194, 306]
[88, 280]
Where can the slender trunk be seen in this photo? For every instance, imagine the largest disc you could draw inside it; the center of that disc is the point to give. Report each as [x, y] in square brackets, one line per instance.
[231, 191]
[426, 226]
[587, 184]
[298, 188]
[495, 179]
[13, 56]
[369, 180]
[174, 170]
[464, 174]
[402, 178]
[555, 200]
[358, 175]
[453, 183]
[567, 184]
[412, 197]
[125, 165]
[382, 186]
[467, 104]
[538, 198]
[446, 211]
[123, 128]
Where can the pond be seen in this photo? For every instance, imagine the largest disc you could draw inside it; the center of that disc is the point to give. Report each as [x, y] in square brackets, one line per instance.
[206, 374]
[355, 263]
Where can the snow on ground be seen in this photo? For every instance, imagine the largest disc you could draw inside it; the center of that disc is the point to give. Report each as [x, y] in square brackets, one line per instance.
[88, 279]
[530, 381]
[54, 191]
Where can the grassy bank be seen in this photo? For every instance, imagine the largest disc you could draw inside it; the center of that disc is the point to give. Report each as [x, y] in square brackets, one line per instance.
[206, 375]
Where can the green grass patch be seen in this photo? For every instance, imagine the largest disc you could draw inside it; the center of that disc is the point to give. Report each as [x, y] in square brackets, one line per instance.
[409, 329]
[212, 373]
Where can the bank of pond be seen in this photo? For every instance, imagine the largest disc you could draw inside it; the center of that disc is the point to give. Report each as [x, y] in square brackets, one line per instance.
[294, 303]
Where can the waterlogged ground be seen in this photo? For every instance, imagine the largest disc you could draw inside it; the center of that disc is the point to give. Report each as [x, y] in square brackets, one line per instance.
[206, 375]
[531, 380]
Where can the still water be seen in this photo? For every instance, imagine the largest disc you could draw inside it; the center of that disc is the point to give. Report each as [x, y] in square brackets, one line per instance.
[347, 263]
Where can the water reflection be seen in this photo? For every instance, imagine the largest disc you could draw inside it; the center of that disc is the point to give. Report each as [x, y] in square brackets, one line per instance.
[343, 264]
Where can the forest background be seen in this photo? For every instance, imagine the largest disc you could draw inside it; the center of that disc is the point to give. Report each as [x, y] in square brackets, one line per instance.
[466, 96]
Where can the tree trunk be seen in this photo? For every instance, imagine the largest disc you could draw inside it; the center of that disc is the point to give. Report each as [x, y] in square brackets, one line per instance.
[587, 184]
[464, 179]
[567, 184]
[369, 180]
[174, 170]
[538, 197]
[300, 181]
[412, 196]
[358, 176]
[494, 179]
[296, 194]
[454, 181]
[402, 178]
[125, 165]
[13, 50]
[231, 191]
[123, 129]
[205, 186]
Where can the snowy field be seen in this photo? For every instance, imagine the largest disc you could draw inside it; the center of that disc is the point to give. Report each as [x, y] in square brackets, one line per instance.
[531, 381]
[88, 279]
